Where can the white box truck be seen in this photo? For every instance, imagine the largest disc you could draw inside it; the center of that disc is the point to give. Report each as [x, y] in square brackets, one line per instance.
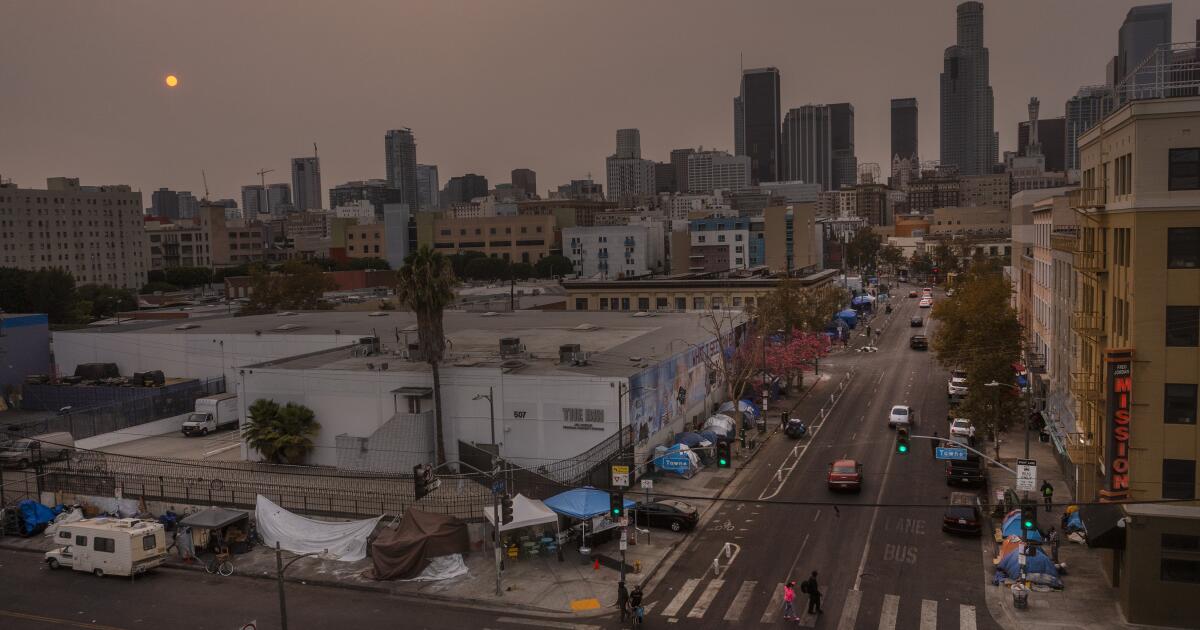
[212, 413]
[109, 546]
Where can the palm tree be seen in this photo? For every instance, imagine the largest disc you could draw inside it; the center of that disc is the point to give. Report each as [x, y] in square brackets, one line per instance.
[425, 284]
[283, 435]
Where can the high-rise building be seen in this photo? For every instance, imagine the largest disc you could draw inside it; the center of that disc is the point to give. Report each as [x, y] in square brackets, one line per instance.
[760, 123]
[428, 188]
[582, 189]
[525, 180]
[718, 170]
[739, 126]
[629, 144]
[164, 202]
[904, 128]
[967, 124]
[97, 233]
[464, 188]
[1051, 134]
[679, 160]
[664, 178]
[375, 191]
[253, 201]
[841, 141]
[400, 155]
[189, 206]
[806, 146]
[277, 199]
[1144, 29]
[1084, 110]
[306, 182]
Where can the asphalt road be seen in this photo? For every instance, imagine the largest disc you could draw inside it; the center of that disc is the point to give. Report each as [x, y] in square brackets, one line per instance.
[879, 567]
[33, 597]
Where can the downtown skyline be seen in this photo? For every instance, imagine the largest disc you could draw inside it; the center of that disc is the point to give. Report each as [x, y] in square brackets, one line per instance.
[240, 108]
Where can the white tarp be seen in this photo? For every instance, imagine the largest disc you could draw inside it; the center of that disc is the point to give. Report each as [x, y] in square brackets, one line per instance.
[442, 568]
[64, 518]
[345, 541]
[526, 512]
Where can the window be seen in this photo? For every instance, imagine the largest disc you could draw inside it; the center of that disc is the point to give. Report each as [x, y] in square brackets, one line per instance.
[581, 304]
[148, 542]
[66, 535]
[1183, 326]
[1179, 479]
[1123, 172]
[698, 303]
[81, 541]
[604, 304]
[660, 303]
[720, 238]
[749, 301]
[1178, 570]
[680, 304]
[1183, 248]
[1183, 169]
[106, 545]
[414, 404]
[1180, 542]
[1179, 403]
[700, 239]
[737, 301]
[737, 237]
[624, 304]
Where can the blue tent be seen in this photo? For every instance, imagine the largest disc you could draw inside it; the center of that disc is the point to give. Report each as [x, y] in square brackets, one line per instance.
[1012, 526]
[850, 316]
[710, 436]
[1039, 568]
[690, 439]
[749, 410]
[581, 503]
[35, 516]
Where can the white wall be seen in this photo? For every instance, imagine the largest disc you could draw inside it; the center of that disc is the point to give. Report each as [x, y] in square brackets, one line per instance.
[149, 429]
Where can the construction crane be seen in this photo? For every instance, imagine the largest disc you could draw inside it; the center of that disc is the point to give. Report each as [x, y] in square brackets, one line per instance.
[262, 176]
[315, 150]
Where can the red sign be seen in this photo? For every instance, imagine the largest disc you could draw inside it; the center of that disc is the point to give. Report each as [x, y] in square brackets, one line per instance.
[1119, 364]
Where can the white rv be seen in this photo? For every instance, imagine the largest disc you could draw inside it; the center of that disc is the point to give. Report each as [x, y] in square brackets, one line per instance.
[109, 546]
[212, 413]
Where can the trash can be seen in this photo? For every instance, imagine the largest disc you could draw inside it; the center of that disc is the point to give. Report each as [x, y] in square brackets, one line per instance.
[1020, 597]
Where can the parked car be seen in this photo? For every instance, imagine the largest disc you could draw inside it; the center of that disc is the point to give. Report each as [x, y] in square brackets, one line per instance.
[925, 302]
[927, 292]
[967, 472]
[918, 342]
[962, 427]
[912, 294]
[40, 448]
[916, 322]
[957, 387]
[901, 415]
[669, 513]
[963, 515]
[845, 474]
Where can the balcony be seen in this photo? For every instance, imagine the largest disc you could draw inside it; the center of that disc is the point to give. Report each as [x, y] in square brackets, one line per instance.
[1085, 386]
[1087, 198]
[1091, 261]
[1088, 324]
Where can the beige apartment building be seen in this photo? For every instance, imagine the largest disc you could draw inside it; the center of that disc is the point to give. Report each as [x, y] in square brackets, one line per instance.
[520, 238]
[971, 221]
[94, 232]
[1137, 263]
[672, 293]
[208, 240]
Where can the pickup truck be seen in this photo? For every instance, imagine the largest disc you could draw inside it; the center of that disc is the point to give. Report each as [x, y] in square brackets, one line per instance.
[969, 472]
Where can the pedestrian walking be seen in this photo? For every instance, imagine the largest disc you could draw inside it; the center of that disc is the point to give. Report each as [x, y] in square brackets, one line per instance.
[789, 601]
[813, 590]
[1052, 538]
[635, 604]
[1048, 494]
[623, 600]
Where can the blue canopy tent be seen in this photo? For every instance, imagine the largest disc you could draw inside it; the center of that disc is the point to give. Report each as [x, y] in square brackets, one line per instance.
[849, 316]
[585, 504]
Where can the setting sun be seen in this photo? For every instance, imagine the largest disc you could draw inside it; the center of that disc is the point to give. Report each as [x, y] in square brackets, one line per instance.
[172, 80]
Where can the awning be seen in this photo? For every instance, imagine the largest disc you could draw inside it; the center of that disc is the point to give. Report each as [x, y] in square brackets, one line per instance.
[418, 392]
[1101, 522]
[526, 512]
[581, 503]
[214, 518]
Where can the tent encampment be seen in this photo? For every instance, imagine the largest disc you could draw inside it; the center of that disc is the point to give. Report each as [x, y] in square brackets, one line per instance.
[581, 503]
[345, 541]
[406, 551]
[215, 518]
[1012, 527]
[526, 513]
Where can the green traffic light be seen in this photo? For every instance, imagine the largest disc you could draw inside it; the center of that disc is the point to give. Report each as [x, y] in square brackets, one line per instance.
[722, 462]
[1028, 525]
[903, 448]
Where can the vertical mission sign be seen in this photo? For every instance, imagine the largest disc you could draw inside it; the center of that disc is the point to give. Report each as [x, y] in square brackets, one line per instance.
[1119, 367]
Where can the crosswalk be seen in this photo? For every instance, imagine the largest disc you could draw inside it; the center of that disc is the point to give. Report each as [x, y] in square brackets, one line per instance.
[698, 599]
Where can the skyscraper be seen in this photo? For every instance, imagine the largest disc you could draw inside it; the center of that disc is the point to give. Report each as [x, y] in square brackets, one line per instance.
[164, 202]
[277, 199]
[630, 178]
[739, 127]
[1084, 110]
[525, 180]
[760, 122]
[1051, 135]
[428, 188]
[679, 160]
[629, 143]
[717, 170]
[400, 156]
[841, 140]
[1144, 29]
[967, 125]
[664, 177]
[306, 182]
[464, 188]
[904, 128]
[807, 152]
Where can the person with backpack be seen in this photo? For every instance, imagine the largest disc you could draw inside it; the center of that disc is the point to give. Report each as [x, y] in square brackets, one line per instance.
[1048, 494]
[635, 604]
[623, 600]
[813, 590]
[789, 600]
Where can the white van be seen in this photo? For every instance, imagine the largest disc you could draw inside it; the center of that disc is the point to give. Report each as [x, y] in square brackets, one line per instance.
[109, 546]
[212, 413]
[40, 448]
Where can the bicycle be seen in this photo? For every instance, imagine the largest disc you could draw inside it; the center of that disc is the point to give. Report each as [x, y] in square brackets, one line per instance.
[219, 564]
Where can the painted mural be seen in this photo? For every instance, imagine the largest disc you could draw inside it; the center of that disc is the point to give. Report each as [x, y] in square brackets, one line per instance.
[655, 392]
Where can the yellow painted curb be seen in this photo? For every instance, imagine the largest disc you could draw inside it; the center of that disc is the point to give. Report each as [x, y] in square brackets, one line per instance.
[585, 604]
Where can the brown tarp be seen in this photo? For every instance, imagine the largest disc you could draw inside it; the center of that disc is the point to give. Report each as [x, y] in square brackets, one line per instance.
[404, 552]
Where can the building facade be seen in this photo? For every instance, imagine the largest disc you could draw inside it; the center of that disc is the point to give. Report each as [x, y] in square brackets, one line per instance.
[520, 238]
[760, 116]
[968, 131]
[463, 189]
[616, 251]
[710, 171]
[904, 129]
[844, 162]
[524, 180]
[428, 187]
[164, 203]
[733, 234]
[400, 160]
[806, 147]
[306, 182]
[985, 190]
[377, 192]
[1084, 110]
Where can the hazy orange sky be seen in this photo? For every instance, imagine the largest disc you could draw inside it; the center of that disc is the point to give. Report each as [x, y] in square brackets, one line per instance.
[486, 86]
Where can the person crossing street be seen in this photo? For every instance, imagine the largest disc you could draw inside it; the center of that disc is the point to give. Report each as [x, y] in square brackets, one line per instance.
[1048, 494]
[789, 599]
[813, 590]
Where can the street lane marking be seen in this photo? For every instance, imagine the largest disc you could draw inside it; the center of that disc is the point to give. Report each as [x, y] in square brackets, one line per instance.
[785, 470]
[541, 623]
[887, 616]
[850, 610]
[774, 607]
[681, 597]
[928, 614]
[705, 599]
[798, 554]
[817, 515]
[223, 449]
[966, 617]
[62, 622]
[740, 600]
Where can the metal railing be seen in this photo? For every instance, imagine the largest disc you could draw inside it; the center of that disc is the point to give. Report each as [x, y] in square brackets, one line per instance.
[1085, 198]
[1085, 385]
[1088, 323]
[1090, 260]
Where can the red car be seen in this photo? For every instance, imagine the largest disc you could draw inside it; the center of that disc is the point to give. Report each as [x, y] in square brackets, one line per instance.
[845, 474]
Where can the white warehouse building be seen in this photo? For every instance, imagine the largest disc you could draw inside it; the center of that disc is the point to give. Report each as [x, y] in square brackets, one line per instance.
[616, 251]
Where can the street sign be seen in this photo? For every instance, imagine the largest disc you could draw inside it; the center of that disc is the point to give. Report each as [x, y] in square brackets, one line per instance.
[944, 452]
[620, 476]
[1026, 475]
[648, 484]
[624, 523]
[498, 486]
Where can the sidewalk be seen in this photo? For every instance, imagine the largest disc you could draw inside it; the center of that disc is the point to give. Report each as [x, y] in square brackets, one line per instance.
[573, 587]
[1086, 600]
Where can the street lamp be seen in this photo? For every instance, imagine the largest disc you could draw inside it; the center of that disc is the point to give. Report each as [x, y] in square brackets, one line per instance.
[280, 567]
[492, 415]
[495, 448]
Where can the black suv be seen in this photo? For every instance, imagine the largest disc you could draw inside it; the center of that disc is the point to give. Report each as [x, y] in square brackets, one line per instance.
[969, 472]
[963, 515]
[918, 342]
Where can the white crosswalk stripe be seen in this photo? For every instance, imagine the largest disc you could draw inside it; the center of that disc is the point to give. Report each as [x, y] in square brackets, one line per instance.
[928, 614]
[887, 616]
[775, 606]
[705, 599]
[740, 600]
[966, 617]
[681, 597]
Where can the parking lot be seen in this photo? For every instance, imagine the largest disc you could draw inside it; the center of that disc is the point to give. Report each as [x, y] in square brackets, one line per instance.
[219, 446]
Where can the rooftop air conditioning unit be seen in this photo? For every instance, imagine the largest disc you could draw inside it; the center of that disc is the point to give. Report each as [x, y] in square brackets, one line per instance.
[370, 345]
[510, 346]
[566, 352]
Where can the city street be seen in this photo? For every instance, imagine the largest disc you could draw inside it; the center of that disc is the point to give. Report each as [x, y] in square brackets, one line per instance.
[879, 567]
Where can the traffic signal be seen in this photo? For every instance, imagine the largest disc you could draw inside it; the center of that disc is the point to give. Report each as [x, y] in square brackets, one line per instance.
[506, 510]
[902, 440]
[420, 482]
[723, 459]
[1029, 516]
[616, 504]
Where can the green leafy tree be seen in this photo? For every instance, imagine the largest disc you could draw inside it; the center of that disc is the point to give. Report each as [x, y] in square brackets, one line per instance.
[156, 275]
[151, 287]
[460, 261]
[189, 276]
[425, 284]
[487, 268]
[554, 265]
[296, 286]
[49, 291]
[522, 270]
[356, 264]
[946, 258]
[863, 250]
[283, 435]
[920, 264]
[892, 257]
[105, 301]
[792, 307]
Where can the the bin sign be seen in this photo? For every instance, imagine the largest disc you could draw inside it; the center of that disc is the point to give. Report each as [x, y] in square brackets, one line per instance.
[674, 462]
[1119, 365]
